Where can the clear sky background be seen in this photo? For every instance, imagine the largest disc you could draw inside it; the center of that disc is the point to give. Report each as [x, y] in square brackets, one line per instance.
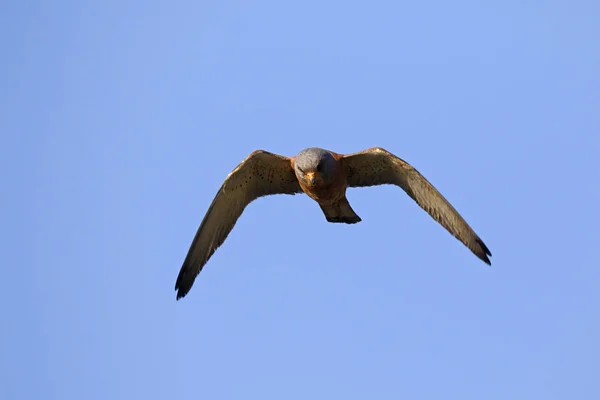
[120, 119]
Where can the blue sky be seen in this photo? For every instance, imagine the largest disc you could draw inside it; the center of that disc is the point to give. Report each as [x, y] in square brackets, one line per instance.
[120, 121]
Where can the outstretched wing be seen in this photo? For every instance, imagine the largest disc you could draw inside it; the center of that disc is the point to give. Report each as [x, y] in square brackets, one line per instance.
[260, 174]
[378, 166]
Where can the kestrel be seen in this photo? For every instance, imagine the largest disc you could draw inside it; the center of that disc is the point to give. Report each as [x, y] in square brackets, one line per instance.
[324, 176]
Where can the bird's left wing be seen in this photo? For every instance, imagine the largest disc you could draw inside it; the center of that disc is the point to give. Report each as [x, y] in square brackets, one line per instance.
[378, 166]
[260, 174]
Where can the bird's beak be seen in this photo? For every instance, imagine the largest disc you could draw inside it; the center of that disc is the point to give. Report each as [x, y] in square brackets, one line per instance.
[310, 177]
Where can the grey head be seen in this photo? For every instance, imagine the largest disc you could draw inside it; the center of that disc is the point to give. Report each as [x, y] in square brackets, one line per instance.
[315, 165]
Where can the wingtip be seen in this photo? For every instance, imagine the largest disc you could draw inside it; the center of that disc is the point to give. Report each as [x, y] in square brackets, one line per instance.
[485, 253]
[484, 247]
[181, 289]
[181, 293]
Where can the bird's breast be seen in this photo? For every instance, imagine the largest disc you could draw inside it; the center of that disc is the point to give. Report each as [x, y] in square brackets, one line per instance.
[326, 193]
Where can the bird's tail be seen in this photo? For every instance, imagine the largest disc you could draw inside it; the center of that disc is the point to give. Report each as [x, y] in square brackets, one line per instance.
[340, 212]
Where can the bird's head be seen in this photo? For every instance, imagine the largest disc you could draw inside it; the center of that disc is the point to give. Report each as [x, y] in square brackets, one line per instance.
[315, 167]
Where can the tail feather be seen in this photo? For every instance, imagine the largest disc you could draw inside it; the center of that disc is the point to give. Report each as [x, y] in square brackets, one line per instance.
[340, 212]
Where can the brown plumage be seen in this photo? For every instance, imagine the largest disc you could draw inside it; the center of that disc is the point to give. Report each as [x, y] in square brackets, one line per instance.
[324, 176]
[379, 167]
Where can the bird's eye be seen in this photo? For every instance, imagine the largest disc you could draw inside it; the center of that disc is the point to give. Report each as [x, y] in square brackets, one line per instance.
[319, 167]
[299, 169]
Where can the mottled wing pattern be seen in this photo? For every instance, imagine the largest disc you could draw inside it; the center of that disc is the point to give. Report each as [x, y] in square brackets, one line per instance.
[260, 174]
[377, 166]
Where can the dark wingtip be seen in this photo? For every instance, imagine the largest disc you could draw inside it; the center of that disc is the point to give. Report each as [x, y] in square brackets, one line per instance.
[486, 252]
[181, 288]
[181, 293]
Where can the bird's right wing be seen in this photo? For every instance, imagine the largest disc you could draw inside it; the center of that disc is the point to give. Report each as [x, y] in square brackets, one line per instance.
[260, 174]
[378, 166]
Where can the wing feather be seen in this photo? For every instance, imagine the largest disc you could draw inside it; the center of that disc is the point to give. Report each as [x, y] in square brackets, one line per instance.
[260, 174]
[378, 166]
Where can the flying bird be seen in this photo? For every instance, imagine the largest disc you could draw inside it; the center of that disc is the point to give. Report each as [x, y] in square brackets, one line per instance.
[324, 176]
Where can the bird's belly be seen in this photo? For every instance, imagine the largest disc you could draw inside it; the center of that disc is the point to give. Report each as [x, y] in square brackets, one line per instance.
[325, 194]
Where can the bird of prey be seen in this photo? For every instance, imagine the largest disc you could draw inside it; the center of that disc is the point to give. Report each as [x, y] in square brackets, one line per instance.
[324, 176]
